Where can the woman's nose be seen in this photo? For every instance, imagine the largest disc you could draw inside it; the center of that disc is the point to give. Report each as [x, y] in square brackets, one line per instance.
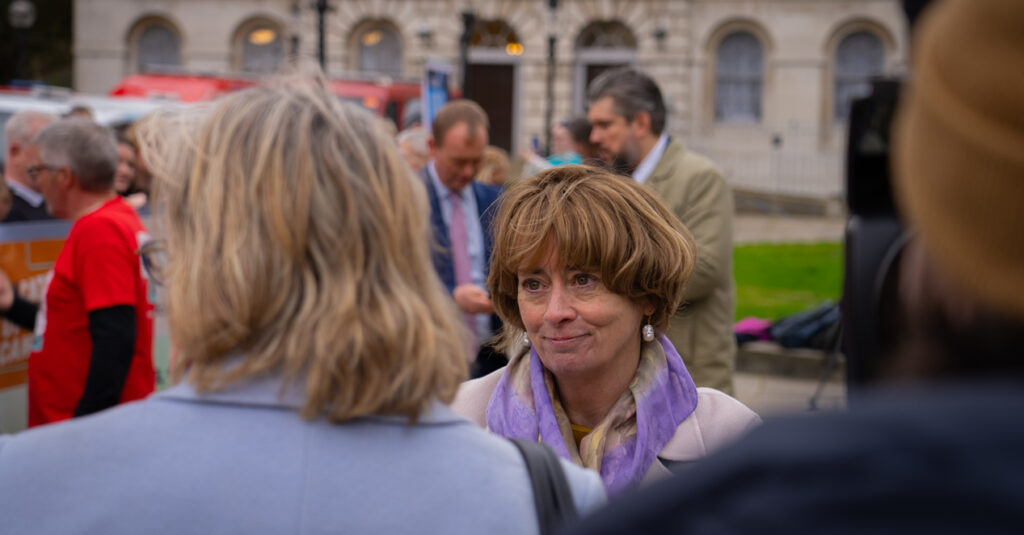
[560, 306]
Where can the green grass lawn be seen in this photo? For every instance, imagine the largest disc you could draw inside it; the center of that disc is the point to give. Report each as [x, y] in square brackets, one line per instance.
[773, 280]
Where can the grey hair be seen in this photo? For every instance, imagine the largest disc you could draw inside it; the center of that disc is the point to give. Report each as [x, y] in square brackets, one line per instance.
[416, 138]
[88, 149]
[22, 127]
[632, 92]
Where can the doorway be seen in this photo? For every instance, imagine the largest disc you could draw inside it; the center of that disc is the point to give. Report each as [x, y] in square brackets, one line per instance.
[494, 88]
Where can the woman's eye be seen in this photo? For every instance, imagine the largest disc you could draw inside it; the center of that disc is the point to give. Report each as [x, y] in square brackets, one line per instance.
[583, 279]
[531, 285]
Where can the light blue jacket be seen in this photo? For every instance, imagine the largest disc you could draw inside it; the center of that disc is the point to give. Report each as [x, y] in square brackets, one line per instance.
[243, 461]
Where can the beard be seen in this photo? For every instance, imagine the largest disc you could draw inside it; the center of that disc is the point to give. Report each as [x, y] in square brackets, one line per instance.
[626, 160]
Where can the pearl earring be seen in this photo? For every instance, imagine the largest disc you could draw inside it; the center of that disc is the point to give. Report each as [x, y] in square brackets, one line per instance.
[648, 331]
[526, 340]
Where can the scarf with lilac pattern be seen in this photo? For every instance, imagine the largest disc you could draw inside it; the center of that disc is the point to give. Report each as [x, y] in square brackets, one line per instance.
[624, 445]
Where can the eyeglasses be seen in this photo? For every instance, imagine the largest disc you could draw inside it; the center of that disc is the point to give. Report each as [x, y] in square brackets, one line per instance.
[34, 170]
[153, 254]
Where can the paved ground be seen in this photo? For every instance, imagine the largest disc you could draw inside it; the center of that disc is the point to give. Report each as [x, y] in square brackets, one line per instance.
[770, 394]
[749, 228]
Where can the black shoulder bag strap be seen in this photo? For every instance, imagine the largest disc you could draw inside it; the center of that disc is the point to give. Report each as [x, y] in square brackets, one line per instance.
[551, 492]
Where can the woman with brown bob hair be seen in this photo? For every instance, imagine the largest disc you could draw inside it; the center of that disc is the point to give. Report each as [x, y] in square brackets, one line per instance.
[314, 348]
[587, 268]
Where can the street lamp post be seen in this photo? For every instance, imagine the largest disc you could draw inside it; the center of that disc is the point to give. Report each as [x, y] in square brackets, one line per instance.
[296, 23]
[21, 15]
[468, 21]
[549, 109]
[322, 7]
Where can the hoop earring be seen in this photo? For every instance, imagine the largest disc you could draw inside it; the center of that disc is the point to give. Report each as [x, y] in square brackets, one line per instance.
[648, 331]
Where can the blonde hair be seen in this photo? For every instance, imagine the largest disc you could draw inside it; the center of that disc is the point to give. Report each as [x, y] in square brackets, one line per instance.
[599, 222]
[494, 166]
[298, 240]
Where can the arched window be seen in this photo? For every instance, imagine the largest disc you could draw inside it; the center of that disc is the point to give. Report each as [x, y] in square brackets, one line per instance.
[739, 76]
[379, 49]
[158, 48]
[600, 46]
[496, 34]
[860, 57]
[606, 34]
[261, 45]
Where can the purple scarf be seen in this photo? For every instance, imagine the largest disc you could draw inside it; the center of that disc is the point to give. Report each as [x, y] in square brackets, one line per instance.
[625, 444]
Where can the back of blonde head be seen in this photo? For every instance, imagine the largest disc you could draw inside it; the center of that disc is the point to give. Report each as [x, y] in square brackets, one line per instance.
[298, 240]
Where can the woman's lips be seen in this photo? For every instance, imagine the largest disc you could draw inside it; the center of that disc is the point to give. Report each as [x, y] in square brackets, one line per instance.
[563, 341]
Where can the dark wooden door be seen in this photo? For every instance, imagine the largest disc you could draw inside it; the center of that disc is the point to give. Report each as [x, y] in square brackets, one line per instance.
[493, 88]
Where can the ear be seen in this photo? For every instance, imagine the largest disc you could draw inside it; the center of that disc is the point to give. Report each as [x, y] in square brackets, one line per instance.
[641, 123]
[432, 145]
[647, 307]
[65, 178]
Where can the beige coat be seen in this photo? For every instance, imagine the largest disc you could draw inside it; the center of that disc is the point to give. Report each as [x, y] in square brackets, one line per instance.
[701, 330]
[717, 421]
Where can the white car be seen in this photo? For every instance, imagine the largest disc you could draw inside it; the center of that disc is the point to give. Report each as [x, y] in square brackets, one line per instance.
[114, 112]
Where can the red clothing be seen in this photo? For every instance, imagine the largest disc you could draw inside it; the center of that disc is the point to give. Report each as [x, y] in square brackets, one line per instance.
[97, 268]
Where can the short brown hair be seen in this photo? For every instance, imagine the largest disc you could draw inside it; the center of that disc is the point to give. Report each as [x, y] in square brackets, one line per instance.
[459, 111]
[598, 221]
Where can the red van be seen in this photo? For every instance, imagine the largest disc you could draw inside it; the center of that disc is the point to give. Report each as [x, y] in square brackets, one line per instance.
[395, 100]
[179, 87]
[398, 101]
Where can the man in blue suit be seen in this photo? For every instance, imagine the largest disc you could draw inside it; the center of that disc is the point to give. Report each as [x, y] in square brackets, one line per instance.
[461, 211]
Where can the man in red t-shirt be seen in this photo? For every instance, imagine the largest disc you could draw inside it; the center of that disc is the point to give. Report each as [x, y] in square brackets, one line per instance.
[94, 330]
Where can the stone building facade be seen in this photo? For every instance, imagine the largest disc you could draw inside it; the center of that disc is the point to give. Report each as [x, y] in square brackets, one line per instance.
[758, 85]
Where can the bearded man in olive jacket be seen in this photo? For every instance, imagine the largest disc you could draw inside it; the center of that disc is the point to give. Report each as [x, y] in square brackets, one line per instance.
[627, 114]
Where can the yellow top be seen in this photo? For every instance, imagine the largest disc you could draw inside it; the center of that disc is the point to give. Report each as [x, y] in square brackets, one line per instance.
[578, 432]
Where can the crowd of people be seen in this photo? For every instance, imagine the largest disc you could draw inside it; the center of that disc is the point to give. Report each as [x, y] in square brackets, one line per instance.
[20, 196]
[92, 346]
[361, 320]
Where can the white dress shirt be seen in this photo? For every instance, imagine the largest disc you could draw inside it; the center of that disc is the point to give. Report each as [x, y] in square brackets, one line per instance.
[650, 161]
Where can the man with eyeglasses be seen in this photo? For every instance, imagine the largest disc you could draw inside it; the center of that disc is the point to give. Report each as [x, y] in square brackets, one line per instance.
[27, 202]
[94, 331]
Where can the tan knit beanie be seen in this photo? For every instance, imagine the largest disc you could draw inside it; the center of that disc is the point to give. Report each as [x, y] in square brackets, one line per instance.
[959, 146]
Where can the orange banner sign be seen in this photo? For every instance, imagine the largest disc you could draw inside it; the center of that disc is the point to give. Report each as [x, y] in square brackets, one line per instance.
[27, 253]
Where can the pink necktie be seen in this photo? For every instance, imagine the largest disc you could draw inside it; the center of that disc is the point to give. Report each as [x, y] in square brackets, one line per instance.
[460, 261]
[460, 241]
